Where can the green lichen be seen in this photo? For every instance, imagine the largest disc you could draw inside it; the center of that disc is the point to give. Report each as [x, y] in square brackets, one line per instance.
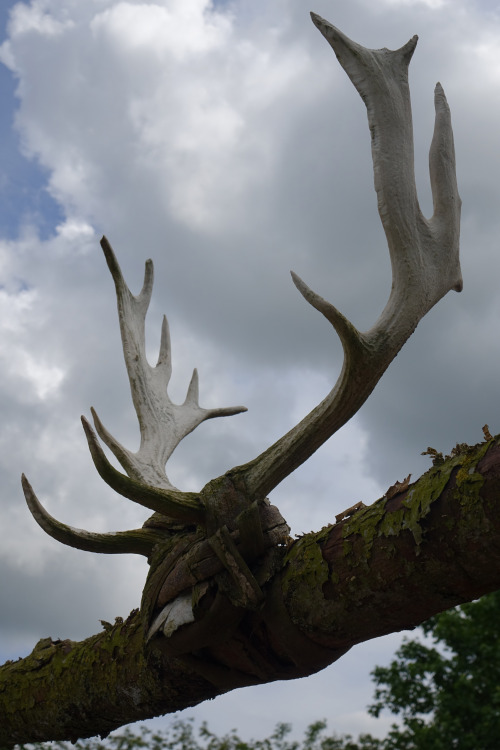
[307, 548]
[306, 571]
[468, 480]
[375, 521]
[39, 693]
[364, 522]
[422, 494]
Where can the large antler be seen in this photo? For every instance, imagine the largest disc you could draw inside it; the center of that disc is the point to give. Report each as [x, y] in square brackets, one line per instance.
[163, 425]
[425, 266]
[424, 253]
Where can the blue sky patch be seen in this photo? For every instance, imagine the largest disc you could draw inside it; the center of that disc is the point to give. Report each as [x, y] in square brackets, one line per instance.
[23, 195]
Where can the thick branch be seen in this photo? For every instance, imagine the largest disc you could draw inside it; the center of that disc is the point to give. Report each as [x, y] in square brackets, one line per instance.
[399, 561]
[388, 567]
[68, 691]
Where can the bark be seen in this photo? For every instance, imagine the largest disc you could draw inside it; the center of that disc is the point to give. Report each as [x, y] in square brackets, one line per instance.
[386, 568]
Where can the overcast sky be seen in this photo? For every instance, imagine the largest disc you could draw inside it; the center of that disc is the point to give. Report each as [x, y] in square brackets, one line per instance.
[224, 141]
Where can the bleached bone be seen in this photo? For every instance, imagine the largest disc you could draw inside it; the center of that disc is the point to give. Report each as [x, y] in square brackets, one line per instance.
[139, 541]
[162, 423]
[424, 253]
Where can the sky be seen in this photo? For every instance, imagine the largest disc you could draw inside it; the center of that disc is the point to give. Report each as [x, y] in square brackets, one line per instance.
[224, 141]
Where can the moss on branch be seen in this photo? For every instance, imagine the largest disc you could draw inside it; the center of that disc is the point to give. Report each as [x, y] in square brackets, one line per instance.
[386, 568]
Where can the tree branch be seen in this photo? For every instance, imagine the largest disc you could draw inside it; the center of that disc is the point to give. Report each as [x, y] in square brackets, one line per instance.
[388, 567]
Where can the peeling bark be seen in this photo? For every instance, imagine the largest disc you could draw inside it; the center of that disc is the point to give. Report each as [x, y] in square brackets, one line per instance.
[386, 568]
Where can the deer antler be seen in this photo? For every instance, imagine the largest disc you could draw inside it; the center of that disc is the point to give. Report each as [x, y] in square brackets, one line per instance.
[424, 253]
[163, 425]
[425, 266]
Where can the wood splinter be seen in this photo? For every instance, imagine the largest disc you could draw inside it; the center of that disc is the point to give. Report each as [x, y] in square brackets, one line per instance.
[398, 487]
[349, 512]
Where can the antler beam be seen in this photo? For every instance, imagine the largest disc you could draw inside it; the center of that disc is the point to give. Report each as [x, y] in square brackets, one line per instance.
[424, 253]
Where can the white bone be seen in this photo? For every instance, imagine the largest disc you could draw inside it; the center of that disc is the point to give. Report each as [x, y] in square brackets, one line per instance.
[424, 253]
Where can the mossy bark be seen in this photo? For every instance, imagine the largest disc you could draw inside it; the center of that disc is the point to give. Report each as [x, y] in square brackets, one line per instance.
[388, 567]
[399, 561]
[66, 690]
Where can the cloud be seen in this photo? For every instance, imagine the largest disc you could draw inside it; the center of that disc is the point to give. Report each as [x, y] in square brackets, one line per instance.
[152, 28]
[225, 141]
[431, 4]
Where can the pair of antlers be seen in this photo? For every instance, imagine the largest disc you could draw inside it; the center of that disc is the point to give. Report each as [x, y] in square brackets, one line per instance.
[425, 266]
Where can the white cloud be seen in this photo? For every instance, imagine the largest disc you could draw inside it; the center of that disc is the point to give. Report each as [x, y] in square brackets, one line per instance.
[43, 378]
[431, 4]
[38, 17]
[26, 372]
[184, 29]
[230, 147]
[190, 101]
[75, 229]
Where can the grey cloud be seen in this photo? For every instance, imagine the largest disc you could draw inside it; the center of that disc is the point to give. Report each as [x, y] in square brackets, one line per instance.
[292, 188]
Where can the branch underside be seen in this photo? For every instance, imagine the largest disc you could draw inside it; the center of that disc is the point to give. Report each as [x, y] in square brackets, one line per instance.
[388, 567]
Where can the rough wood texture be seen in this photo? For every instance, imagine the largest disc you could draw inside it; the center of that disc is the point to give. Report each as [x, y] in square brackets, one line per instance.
[388, 567]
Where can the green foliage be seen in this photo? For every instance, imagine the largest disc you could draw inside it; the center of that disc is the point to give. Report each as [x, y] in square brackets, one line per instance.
[448, 693]
[181, 735]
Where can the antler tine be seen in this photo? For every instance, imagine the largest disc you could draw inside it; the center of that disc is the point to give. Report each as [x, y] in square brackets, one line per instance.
[424, 253]
[137, 541]
[192, 397]
[182, 506]
[162, 423]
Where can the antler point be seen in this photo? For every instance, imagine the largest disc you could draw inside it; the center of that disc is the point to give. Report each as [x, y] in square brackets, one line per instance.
[296, 278]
